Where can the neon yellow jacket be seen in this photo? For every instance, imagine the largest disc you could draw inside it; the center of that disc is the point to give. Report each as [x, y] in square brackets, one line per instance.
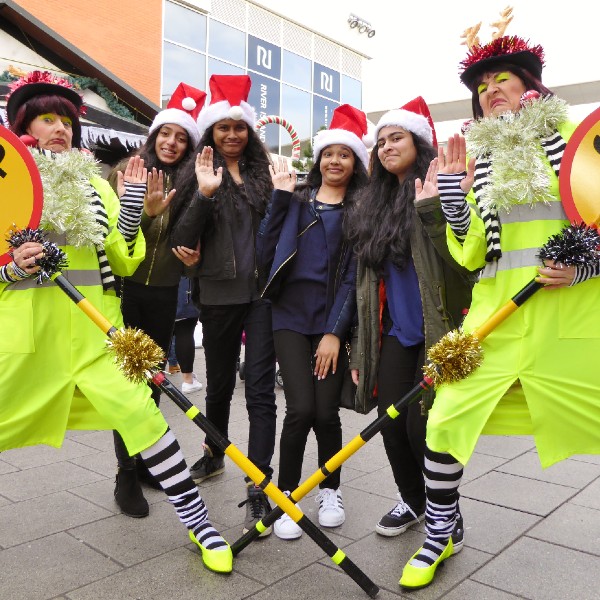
[539, 371]
[56, 371]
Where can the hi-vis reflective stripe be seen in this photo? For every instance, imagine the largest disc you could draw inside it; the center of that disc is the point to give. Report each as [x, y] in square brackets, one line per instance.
[512, 260]
[77, 278]
[60, 239]
[540, 211]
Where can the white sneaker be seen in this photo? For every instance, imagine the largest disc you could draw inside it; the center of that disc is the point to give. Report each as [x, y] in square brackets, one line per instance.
[331, 508]
[189, 388]
[286, 528]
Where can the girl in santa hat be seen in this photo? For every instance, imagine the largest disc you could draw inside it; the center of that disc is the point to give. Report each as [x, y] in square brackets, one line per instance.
[222, 199]
[303, 246]
[149, 295]
[410, 293]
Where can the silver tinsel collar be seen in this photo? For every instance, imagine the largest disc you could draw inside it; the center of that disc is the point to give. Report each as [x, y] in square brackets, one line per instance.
[511, 143]
[67, 196]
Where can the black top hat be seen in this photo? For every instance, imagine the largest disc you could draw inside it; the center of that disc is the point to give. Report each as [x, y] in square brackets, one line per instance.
[39, 83]
[508, 49]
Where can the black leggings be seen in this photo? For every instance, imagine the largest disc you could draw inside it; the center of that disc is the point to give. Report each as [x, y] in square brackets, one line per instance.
[185, 346]
[400, 369]
[152, 309]
[309, 404]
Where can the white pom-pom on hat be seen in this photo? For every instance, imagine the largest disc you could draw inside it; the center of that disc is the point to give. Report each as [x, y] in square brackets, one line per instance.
[236, 113]
[188, 103]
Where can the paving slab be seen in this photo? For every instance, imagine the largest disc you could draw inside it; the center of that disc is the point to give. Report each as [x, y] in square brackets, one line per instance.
[542, 571]
[520, 493]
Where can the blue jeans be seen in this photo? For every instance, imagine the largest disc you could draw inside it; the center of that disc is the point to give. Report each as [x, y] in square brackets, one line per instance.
[222, 327]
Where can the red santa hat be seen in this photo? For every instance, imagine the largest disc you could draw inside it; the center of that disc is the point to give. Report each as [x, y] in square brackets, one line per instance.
[414, 116]
[348, 127]
[228, 100]
[183, 110]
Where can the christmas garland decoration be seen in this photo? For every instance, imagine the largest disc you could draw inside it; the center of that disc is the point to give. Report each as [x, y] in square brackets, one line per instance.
[511, 143]
[67, 194]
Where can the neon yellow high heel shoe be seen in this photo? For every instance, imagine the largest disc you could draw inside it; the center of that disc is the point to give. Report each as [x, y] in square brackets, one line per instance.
[219, 561]
[414, 578]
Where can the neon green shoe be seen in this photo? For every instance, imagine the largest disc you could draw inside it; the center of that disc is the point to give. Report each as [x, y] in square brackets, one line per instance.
[414, 578]
[219, 561]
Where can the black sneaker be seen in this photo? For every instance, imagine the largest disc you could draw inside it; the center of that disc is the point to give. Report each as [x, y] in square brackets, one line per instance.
[458, 535]
[399, 519]
[257, 507]
[207, 466]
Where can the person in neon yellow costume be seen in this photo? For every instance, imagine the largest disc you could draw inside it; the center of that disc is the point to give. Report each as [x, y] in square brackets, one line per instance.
[502, 204]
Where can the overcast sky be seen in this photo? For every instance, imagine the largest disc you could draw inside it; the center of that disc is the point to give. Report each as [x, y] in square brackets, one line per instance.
[417, 45]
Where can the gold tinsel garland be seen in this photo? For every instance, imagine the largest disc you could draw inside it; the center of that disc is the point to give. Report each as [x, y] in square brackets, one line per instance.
[453, 357]
[135, 353]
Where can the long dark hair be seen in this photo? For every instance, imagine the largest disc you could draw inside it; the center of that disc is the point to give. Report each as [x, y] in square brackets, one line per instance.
[381, 223]
[531, 83]
[41, 105]
[356, 185]
[255, 161]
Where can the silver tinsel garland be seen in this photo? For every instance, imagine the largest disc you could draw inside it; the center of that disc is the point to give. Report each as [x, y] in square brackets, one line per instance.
[511, 143]
[67, 194]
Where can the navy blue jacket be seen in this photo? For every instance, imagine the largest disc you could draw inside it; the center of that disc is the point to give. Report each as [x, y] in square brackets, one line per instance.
[288, 217]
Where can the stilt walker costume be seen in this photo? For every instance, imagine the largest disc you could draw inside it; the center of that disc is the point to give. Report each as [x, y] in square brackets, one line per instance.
[56, 371]
[536, 377]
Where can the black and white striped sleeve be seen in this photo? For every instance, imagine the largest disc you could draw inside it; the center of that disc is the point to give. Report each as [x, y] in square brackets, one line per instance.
[454, 203]
[130, 214]
[585, 272]
[10, 273]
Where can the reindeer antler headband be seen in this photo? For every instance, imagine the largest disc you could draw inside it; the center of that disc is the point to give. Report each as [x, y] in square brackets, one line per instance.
[502, 49]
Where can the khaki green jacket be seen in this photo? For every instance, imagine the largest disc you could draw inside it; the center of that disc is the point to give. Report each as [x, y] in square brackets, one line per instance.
[445, 294]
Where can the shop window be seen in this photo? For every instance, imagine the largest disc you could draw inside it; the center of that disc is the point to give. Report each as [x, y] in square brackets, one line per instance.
[185, 26]
[227, 43]
[296, 70]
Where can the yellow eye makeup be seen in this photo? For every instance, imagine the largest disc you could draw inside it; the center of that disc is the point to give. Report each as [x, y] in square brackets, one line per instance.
[51, 117]
[498, 78]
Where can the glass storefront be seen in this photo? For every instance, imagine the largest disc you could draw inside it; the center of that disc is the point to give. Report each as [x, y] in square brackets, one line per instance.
[284, 83]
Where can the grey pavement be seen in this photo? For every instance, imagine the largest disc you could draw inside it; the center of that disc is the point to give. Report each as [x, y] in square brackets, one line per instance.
[529, 533]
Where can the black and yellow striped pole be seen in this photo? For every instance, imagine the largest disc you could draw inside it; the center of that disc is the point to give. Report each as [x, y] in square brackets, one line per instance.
[283, 503]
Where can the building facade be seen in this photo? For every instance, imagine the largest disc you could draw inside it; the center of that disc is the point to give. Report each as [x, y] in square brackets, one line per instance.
[296, 74]
[152, 45]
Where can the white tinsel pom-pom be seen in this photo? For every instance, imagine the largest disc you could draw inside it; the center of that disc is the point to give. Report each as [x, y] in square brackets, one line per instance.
[236, 113]
[188, 103]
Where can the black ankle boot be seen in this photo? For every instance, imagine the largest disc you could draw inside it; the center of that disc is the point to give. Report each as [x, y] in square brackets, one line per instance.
[128, 494]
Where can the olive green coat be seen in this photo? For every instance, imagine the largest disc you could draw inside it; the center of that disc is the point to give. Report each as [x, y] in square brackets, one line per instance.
[445, 294]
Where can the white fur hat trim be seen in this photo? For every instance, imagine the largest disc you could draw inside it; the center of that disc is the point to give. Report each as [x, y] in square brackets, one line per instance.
[177, 117]
[218, 111]
[327, 137]
[408, 120]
